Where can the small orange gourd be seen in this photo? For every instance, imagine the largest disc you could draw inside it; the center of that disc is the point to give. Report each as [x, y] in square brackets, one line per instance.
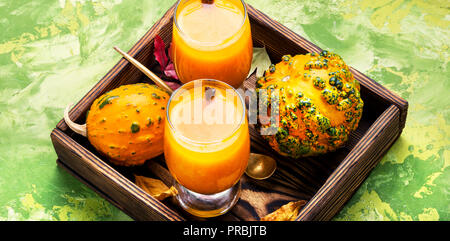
[126, 124]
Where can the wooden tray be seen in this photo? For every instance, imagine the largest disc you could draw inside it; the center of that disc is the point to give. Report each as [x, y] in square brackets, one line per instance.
[326, 182]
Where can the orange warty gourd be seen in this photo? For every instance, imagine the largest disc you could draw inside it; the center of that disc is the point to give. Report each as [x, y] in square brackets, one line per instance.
[319, 103]
[126, 124]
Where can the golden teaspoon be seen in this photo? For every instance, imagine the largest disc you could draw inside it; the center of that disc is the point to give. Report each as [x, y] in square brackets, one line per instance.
[260, 166]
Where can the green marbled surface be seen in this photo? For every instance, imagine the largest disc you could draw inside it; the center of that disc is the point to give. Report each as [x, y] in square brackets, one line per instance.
[52, 52]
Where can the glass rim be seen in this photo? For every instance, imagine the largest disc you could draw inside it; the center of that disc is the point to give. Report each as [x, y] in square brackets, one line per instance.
[208, 43]
[244, 111]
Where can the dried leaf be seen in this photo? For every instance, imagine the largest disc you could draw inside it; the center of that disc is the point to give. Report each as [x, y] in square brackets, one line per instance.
[165, 63]
[156, 188]
[261, 62]
[160, 52]
[170, 71]
[287, 212]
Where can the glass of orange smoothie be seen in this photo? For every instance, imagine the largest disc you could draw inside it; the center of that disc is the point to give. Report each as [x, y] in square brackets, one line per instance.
[212, 39]
[206, 145]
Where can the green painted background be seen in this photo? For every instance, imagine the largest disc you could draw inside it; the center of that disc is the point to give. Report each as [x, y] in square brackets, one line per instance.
[52, 52]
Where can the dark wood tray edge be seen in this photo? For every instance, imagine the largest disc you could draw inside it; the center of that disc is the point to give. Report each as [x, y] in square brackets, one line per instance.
[354, 168]
[108, 180]
[91, 186]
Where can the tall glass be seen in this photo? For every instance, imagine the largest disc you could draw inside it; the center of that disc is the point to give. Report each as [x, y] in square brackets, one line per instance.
[206, 145]
[212, 40]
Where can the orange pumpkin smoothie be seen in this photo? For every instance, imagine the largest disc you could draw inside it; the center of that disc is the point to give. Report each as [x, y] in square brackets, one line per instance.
[206, 142]
[212, 41]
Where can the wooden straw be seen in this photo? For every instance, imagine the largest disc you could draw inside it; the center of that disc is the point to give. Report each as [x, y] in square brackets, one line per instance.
[146, 71]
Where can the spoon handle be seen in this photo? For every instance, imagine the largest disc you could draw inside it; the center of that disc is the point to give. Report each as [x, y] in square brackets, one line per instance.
[144, 70]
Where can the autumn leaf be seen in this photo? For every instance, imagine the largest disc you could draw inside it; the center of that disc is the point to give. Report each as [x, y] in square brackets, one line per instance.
[165, 63]
[170, 71]
[288, 212]
[261, 62]
[156, 188]
[160, 52]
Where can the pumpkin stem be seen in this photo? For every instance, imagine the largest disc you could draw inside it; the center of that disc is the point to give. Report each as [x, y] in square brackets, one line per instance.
[79, 129]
